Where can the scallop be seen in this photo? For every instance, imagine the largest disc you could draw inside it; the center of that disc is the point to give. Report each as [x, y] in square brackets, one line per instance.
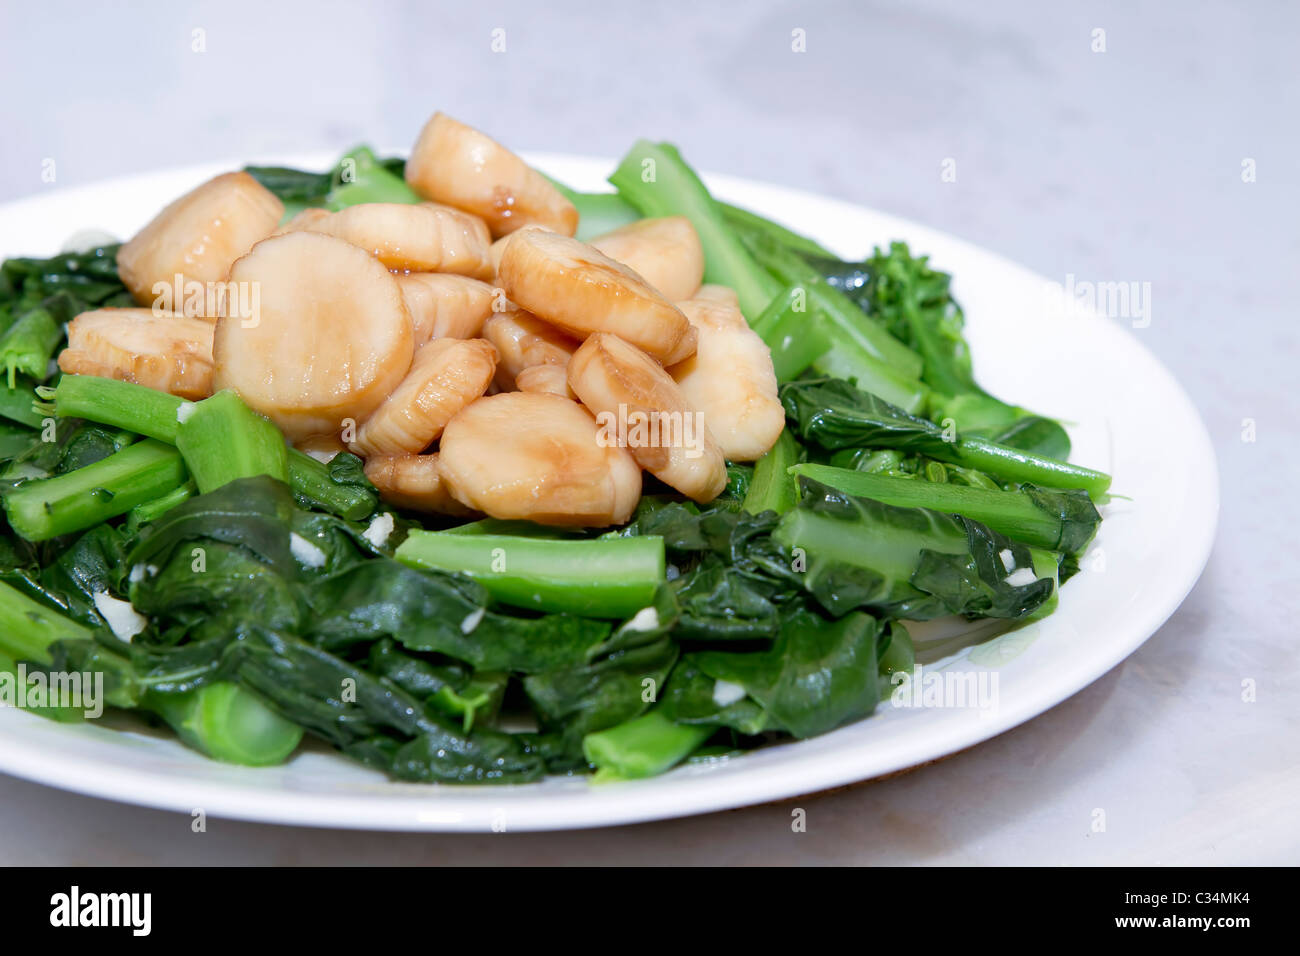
[456, 164]
[444, 306]
[446, 375]
[666, 252]
[199, 236]
[171, 353]
[537, 457]
[730, 378]
[414, 482]
[550, 379]
[570, 284]
[637, 401]
[330, 339]
[413, 237]
[522, 341]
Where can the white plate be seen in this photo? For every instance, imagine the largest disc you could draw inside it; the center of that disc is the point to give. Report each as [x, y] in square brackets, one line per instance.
[1130, 418]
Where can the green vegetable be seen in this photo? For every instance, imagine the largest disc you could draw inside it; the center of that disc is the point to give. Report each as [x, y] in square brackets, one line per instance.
[152, 510]
[293, 187]
[335, 487]
[845, 321]
[145, 411]
[16, 403]
[32, 632]
[643, 747]
[28, 345]
[599, 213]
[773, 488]
[139, 473]
[910, 563]
[598, 578]
[376, 721]
[835, 415]
[657, 181]
[339, 487]
[796, 337]
[1058, 520]
[222, 439]
[360, 177]
[228, 723]
[817, 675]
[915, 303]
[754, 226]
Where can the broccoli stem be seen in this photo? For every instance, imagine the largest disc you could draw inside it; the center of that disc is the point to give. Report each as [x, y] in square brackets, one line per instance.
[145, 411]
[656, 180]
[153, 510]
[773, 486]
[889, 551]
[229, 723]
[28, 628]
[849, 322]
[850, 361]
[311, 480]
[796, 337]
[27, 631]
[153, 414]
[606, 577]
[48, 507]
[642, 747]
[223, 440]
[1011, 513]
[361, 178]
[1015, 465]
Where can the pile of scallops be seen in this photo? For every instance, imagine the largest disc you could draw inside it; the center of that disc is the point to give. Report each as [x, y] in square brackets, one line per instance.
[463, 346]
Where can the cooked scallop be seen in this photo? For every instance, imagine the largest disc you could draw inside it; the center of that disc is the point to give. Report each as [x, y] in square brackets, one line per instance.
[445, 306]
[548, 379]
[720, 294]
[446, 375]
[303, 220]
[456, 164]
[537, 457]
[580, 289]
[665, 252]
[522, 341]
[171, 353]
[414, 482]
[499, 246]
[329, 342]
[632, 394]
[730, 378]
[199, 235]
[414, 237]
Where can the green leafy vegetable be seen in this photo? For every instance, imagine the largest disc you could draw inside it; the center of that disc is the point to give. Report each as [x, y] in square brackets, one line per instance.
[599, 578]
[835, 415]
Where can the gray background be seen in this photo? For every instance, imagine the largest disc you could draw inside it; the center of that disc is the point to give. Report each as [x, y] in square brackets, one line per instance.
[1122, 165]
